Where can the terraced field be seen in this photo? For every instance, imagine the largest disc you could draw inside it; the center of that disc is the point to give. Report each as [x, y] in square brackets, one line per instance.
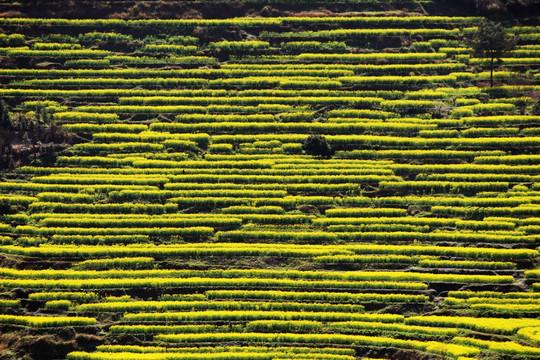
[166, 208]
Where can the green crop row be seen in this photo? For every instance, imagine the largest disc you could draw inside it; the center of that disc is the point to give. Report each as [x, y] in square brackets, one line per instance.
[257, 249]
[356, 127]
[313, 296]
[46, 321]
[165, 306]
[192, 283]
[434, 347]
[196, 231]
[133, 208]
[351, 276]
[157, 222]
[489, 325]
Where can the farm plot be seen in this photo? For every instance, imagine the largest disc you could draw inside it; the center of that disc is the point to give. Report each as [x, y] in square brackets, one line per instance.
[185, 216]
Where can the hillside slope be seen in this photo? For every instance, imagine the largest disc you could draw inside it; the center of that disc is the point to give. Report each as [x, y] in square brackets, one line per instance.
[160, 199]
